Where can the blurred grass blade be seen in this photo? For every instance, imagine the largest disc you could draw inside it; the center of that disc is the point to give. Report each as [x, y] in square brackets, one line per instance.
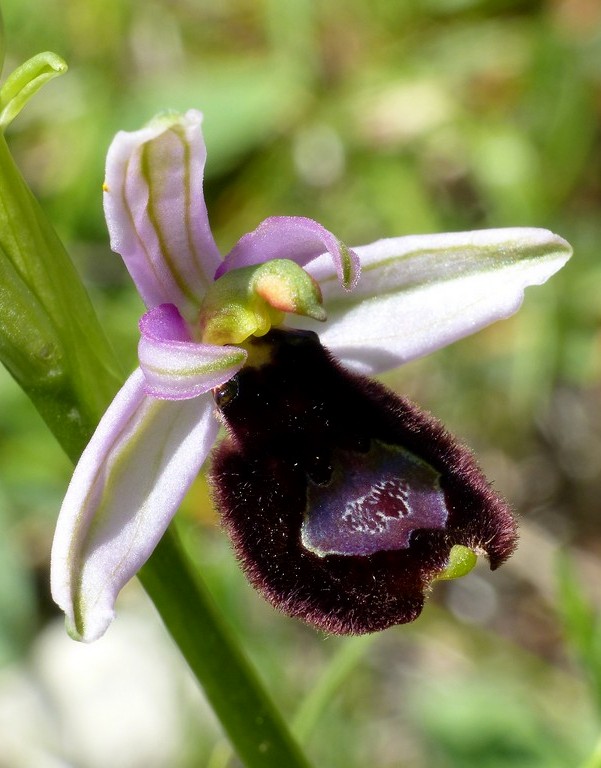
[340, 667]
[21, 84]
[17, 595]
[581, 624]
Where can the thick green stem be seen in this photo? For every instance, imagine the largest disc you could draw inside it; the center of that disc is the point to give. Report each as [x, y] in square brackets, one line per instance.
[251, 720]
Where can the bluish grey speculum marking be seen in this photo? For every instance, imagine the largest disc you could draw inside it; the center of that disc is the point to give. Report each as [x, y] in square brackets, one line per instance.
[373, 502]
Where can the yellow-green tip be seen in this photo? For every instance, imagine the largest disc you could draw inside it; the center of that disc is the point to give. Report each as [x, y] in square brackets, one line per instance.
[461, 561]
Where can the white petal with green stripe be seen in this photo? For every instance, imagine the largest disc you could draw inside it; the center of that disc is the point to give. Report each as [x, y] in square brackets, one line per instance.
[125, 489]
[422, 292]
[155, 210]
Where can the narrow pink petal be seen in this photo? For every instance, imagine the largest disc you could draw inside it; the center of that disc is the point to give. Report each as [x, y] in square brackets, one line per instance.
[155, 209]
[125, 489]
[295, 238]
[176, 368]
[420, 293]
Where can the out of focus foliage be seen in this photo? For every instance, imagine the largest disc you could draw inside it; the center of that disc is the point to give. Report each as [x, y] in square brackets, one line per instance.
[378, 119]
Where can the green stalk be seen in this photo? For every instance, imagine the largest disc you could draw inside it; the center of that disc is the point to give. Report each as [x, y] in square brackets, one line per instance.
[252, 722]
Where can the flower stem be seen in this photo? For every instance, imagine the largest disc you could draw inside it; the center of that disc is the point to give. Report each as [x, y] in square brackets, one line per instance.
[250, 719]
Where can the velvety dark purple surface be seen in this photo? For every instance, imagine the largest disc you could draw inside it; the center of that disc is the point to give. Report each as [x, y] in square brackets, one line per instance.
[292, 425]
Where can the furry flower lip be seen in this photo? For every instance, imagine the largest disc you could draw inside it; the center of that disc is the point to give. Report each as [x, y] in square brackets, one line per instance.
[344, 501]
[381, 493]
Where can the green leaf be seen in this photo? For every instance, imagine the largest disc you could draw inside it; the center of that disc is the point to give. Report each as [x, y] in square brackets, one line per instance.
[50, 339]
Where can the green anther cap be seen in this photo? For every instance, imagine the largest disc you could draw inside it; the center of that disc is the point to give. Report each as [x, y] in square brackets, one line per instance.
[250, 300]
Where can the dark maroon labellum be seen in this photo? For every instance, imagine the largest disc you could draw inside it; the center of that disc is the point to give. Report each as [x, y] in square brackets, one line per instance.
[343, 500]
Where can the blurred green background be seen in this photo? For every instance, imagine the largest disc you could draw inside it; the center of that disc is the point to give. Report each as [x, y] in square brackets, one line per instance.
[378, 119]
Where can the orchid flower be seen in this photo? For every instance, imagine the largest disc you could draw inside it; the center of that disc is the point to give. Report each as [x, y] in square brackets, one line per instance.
[214, 349]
